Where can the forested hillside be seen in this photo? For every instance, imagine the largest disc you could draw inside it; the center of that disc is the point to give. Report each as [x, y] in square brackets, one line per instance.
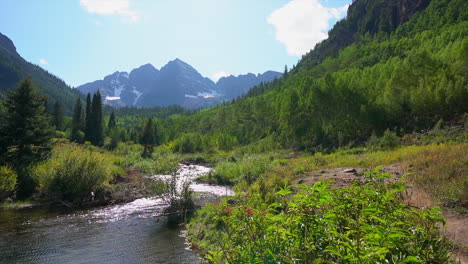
[13, 69]
[399, 77]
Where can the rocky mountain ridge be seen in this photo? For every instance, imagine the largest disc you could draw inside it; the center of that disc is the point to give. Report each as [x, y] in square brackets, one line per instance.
[176, 83]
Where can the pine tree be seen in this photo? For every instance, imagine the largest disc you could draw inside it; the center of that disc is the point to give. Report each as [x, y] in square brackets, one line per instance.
[25, 133]
[57, 116]
[77, 134]
[148, 138]
[112, 123]
[88, 125]
[97, 121]
[157, 140]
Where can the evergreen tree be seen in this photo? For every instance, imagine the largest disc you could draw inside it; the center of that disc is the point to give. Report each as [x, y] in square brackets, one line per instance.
[157, 140]
[97, 122]
[57, 116]
[88, 125]
[77, 134]
[25, 133]
[112, 123]
[148, 138]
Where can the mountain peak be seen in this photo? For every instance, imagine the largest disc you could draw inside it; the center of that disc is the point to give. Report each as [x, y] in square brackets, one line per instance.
[177, 61]
[177, 65]
[7, 43]
[145, 69]
[147, 66]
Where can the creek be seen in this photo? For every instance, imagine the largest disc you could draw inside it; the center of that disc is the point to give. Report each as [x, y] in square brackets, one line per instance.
[134, 232]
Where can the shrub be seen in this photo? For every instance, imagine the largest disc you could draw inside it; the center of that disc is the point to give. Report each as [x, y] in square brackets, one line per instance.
[225, 141]
[189, 143]
[73, 173]
[8, 180]
[160, 162]
[388, 141]
[298, 170]
[357, 224]
[246, 169]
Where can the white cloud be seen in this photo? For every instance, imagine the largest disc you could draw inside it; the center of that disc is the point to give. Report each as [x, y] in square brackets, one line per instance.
[43, 62]
[111, 7]
[218, 75]
[300, 24]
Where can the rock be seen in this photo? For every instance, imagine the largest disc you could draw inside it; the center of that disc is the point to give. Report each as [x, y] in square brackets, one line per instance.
[352, 170]
[322, 171]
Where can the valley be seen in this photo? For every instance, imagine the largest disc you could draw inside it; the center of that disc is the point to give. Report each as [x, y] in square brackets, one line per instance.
[356, 154]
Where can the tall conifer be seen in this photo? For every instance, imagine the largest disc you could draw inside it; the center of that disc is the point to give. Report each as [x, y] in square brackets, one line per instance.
[112, 123]
[147, 138]
[88, 125]
[57, 116]
[97, 122]
[25, 133]
[77, 122]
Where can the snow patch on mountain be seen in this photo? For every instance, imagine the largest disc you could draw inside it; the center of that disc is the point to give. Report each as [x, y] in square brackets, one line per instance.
[138, 95]
[210, 94]
[118, 90]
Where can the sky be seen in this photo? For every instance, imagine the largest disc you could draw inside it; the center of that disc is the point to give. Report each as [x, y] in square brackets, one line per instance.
[84, 40]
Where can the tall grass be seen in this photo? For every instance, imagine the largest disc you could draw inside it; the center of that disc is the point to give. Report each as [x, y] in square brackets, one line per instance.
[442, 171]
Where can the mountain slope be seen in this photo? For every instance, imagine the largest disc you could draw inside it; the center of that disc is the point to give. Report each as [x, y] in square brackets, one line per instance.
[177, 83]
[231, 87]
[176, 80]
[364, 17]
[13, 68]
[402, 76]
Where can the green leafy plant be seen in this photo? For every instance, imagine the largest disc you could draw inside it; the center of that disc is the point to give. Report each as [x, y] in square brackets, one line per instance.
[317, 224]
[8, 180]
[74, 172]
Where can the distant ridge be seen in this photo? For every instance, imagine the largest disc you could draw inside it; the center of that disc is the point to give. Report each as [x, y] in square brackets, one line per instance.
[13, 68]
[176, 83]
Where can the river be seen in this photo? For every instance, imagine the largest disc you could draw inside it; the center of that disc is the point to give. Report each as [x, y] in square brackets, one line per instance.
[127, 233]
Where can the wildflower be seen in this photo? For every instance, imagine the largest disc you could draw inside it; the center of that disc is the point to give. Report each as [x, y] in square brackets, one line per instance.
[249, 211]
[264, 213]
[228, 210]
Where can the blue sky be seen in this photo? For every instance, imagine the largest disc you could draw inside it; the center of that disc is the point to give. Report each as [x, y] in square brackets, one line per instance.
[84, 40]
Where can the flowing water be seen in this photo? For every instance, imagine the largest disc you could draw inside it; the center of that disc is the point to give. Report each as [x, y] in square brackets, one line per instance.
[128, 233]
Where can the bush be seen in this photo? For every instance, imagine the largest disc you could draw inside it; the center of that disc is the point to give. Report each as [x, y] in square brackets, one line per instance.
[73, 173]
[225, 142]
[247, 169]
[388, 141]
[189, 143]
[8, 180]
[160, 162]
[357, 224]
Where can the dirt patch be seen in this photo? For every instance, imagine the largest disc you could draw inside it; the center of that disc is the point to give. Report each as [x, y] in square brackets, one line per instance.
[456, 228]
